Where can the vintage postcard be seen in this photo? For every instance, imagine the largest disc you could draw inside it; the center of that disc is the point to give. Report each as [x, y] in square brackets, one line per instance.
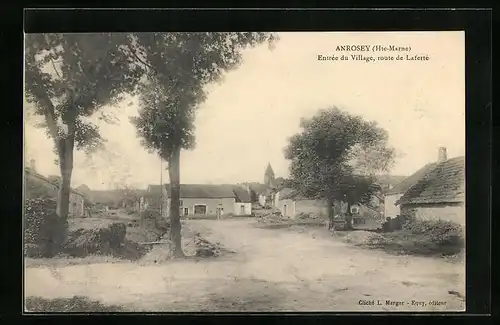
[244, 172]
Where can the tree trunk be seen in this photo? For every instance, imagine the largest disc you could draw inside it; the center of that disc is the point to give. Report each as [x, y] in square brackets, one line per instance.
[330, 214]
[175, 189]
[348, 218]
[66, 168]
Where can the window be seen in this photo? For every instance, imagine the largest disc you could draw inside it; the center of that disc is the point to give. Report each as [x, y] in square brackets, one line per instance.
[180, 202]
[186, 211]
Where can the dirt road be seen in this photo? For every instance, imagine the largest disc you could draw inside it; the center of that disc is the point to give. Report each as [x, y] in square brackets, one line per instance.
[273, 270]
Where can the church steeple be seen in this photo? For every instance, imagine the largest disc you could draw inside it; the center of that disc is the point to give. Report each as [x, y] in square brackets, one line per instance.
[269, 175]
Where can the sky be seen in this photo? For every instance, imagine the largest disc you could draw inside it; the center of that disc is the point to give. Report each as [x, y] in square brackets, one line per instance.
[248, 117]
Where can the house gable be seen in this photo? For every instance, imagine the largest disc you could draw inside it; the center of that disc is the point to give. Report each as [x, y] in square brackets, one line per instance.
[411, 180]
[444, 184]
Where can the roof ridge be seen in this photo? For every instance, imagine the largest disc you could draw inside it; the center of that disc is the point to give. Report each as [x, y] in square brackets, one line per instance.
[37, 174]
[430, 166]
[429, 179]
[424, 177]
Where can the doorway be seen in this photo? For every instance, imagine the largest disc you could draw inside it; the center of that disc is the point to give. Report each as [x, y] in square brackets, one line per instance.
[200, 209]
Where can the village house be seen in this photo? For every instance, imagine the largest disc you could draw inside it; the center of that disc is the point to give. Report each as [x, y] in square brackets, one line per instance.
[282, 197]
[202, 200]
[290, 203]
[256, 191]
[212, 200]
[37, 186]
[439, 194]
[391, 209]
[266, 192]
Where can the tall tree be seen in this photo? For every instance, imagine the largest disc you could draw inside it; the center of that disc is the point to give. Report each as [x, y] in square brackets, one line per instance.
[68, 78]
[335, 157]
[179, 66]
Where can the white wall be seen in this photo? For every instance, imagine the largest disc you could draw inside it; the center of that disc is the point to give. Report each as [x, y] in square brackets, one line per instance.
[211, 205]
[290, 208]
[247, 207]
[314, 207]
[448, 212]
[390, 209]
[262, 199]
[276, 199]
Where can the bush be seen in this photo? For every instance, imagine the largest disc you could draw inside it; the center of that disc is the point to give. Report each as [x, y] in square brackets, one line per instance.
[108, 240]
[397, 223]
[44, 232]
[162, 225]
[439, 232]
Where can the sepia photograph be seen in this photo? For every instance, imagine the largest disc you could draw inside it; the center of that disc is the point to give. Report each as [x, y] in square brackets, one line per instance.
[244, 172]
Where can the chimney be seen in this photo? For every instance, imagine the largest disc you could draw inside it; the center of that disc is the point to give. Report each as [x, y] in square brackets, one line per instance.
[442, 155]
[33, 165]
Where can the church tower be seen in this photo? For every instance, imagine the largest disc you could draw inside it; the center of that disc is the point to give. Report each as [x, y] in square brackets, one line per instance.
[269, 175]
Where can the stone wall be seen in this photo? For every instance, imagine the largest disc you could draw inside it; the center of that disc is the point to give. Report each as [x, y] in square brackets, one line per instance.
[454, 212]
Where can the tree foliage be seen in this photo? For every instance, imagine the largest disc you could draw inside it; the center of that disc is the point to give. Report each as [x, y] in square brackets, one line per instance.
[68, 78]
[335, 157]
[179, 66]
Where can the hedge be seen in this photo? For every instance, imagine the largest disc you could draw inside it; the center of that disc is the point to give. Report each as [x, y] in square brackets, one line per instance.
[44, 232]
[440, 232]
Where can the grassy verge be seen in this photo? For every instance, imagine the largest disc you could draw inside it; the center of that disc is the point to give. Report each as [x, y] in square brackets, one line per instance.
[62, 261]
[286, 223]
[401, 242]
[76, 304]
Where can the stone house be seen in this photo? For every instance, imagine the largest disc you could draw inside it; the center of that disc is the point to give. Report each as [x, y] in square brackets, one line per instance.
[391, 209]
[268, 190]
[439, 194]
[291, 204]
[37, 185]
[285, 193]
[202, 200]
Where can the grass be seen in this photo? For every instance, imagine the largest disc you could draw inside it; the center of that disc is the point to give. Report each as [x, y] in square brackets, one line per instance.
[129, 249]
[286, 223]
[76, 304]
[61, 261]
[400, 242]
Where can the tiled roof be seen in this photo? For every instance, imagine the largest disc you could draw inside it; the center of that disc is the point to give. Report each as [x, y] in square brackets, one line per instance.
[445, 183]
[242, 195]
[411, 180]
[287, 193]
[205, 191]
[32, 173]
[258, 188]
[154, 189]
